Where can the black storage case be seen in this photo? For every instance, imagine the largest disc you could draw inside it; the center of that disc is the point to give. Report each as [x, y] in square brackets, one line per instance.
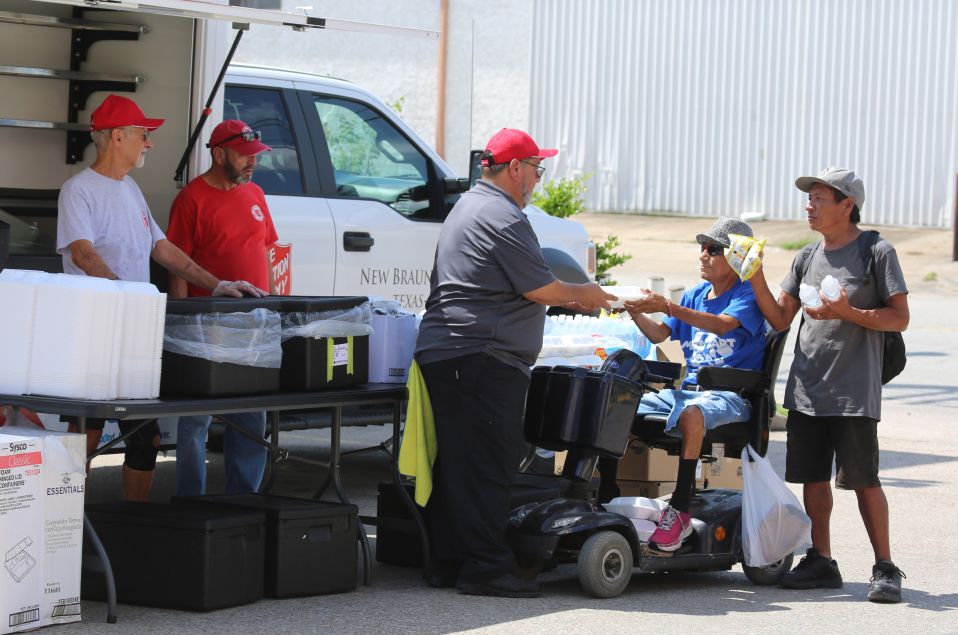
[306, 360]
[397, 537]
[311, 546]
[576, 408]
[178, 556]
[185, 376]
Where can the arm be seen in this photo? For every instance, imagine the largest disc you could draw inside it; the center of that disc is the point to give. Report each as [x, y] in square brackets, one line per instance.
[894, 316]
[588, 296]
[86, 257]
[270, 274]
[658, 332]
[178, 263]
[779, 313]
[177, 287]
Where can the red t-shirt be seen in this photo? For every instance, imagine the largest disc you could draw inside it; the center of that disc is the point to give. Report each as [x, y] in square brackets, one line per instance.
[225, 232]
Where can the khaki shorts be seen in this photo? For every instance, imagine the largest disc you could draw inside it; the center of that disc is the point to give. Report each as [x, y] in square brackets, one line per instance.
[814, 443]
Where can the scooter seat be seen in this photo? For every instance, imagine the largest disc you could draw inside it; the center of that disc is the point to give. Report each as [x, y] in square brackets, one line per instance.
[651, 430]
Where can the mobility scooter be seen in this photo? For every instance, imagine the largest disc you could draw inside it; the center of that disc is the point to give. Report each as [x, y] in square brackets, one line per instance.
[591, 414]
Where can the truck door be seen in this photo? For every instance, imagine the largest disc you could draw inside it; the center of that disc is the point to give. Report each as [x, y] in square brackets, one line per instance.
[288, 176]
[385, 197]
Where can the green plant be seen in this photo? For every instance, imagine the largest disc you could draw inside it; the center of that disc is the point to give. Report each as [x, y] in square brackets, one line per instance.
[798, 243]
[562, 198]
[606, 258]
[398, 104]
[931, 276]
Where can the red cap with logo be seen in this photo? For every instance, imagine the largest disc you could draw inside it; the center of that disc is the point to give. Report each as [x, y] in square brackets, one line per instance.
[237, 136]
[509, 144]
[118, 112]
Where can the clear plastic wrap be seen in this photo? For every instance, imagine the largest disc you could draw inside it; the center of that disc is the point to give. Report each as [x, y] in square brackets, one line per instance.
[246, 339]
[333, 323]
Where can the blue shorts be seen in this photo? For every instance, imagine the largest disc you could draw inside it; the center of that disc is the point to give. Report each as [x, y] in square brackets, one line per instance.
[718, 407]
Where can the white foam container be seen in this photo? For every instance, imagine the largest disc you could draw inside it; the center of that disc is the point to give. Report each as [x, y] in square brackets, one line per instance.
[141, 340]
[625, 294]
[75, 351]
[643, 528]
[637, 507]
[19, 296]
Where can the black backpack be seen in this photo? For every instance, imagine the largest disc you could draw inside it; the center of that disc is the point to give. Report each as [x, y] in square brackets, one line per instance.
[893, 351]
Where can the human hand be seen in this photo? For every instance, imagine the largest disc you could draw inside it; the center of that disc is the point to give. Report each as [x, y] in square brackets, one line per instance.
[651, 303]
[238, 289]
[835, 309]
[590, 298]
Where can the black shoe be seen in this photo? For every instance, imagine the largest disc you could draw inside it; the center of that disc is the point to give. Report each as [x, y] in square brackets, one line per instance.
[885, 582]
[505, 586]
[814, 571]
[442, 574]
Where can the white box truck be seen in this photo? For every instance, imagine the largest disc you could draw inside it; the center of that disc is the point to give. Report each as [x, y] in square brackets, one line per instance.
[357, 195]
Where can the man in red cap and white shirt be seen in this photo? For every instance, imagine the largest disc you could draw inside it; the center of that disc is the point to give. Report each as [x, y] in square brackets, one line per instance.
[220, 219]
[105, 229]
[481, 332]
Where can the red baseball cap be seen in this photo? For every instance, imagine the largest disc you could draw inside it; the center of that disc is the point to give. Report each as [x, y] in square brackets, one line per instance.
[236, 135]
[117, 112]
[509, 144]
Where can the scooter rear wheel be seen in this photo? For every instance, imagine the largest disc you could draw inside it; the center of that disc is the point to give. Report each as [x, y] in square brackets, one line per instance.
[769, 574]
[605, 564]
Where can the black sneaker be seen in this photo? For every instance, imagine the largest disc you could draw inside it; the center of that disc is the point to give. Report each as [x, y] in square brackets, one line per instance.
[505, 586]
[814, 571]
[442, 574]
[885, 582]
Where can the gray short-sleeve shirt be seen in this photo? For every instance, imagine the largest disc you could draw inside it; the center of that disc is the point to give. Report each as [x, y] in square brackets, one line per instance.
[114, 216]
[487, 257]
[837, 365]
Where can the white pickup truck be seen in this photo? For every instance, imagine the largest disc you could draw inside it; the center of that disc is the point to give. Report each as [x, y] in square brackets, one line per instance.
[354, 191]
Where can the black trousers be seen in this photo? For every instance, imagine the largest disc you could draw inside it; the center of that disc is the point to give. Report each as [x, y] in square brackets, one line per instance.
[478, 405]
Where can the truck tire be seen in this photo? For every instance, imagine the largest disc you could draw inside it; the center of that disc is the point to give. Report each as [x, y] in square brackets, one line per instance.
[564, 266]
[605, 564]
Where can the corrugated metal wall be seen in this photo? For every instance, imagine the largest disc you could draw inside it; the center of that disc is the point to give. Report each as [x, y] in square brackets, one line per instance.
[706, 107]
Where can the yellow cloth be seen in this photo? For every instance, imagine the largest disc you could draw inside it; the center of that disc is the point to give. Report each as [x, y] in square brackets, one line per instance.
[419, 446]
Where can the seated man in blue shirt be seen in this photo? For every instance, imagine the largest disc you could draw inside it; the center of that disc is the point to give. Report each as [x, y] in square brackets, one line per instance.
[718, 323]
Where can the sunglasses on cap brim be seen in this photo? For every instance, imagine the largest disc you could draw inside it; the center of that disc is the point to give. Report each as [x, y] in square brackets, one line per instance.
[246, 135]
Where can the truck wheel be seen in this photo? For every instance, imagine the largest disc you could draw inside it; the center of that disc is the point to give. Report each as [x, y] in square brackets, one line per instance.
[605, 564]
[769, 574]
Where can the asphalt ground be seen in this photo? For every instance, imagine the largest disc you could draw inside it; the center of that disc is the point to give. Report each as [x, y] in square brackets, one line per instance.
[919, 457]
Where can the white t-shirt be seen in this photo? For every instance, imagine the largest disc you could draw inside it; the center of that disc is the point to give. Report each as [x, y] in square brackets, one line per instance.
[114, 216]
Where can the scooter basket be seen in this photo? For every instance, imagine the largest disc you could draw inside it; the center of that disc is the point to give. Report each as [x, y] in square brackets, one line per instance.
[575, 408]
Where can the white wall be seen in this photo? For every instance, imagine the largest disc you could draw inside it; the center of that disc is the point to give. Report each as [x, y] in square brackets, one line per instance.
[397, 67]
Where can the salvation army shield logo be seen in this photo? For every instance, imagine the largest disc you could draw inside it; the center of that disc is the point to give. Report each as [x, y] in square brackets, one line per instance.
[280, 259]
[257, 213]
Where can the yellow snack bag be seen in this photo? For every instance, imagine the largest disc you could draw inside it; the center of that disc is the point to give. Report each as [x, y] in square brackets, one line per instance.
[744, 254]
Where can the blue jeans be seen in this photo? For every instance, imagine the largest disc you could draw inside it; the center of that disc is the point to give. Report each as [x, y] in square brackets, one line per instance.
[245, 459]
[718, 407]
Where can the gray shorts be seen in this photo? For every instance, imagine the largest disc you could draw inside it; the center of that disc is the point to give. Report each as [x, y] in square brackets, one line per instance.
[814, 443]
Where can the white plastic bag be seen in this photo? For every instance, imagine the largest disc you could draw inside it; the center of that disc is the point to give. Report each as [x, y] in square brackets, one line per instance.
[774, 524]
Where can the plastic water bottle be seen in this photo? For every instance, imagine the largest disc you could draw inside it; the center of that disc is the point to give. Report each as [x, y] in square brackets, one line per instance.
[809, 296]
[831, 288]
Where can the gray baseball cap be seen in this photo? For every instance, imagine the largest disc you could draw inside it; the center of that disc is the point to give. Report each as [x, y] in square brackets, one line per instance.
[841, 179]
[721, 228]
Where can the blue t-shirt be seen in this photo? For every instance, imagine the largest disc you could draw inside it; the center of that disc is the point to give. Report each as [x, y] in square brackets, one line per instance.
[742, 347]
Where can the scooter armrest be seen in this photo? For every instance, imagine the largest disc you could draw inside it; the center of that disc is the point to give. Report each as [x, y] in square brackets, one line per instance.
[733, 379]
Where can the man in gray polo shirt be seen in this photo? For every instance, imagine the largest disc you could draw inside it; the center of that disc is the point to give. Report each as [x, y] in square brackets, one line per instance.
[481, 332]
[833, 395]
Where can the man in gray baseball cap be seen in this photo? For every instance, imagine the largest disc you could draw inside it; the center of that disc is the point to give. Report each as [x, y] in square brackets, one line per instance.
[833, 395]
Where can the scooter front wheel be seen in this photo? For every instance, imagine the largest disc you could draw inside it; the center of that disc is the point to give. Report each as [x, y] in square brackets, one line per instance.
[769, 574]
[605, 564]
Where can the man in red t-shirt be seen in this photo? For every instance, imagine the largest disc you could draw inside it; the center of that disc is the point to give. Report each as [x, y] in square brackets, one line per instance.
[221, 221]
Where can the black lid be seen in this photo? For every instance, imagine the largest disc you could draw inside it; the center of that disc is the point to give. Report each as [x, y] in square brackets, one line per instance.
[312, 303]
[281, 507]
[221, 304]
[178, 516]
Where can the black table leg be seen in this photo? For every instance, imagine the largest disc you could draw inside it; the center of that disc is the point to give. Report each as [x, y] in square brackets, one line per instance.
[98, 546]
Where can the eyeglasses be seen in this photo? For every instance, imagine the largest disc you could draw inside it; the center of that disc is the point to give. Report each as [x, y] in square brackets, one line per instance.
[713, 250]
[539, 169]
[246, 135]
[144, 133]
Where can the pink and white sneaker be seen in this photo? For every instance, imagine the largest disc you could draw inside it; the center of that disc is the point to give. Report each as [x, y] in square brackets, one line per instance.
[673, 529]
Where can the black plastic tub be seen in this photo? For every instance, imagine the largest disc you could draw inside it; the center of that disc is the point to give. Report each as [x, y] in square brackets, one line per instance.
[178, 556]
[325, 362]
[311, 546]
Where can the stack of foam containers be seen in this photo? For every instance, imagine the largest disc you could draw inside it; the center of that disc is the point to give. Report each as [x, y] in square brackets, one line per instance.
[141, 345]
[18, 289]
[75, 346]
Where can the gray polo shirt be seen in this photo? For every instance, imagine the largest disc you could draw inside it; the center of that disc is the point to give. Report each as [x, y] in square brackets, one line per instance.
[488, 256]
[837, 367]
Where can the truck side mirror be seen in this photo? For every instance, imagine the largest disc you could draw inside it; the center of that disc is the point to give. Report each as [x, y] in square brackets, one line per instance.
[456, 185]
[475, 166]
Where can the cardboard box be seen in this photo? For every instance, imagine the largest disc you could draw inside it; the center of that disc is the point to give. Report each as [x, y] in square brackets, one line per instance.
[21, 531]
[55, 546]
[725, 472]
[642, 463]
[391, 347]
[560, 463]
[649, 489]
